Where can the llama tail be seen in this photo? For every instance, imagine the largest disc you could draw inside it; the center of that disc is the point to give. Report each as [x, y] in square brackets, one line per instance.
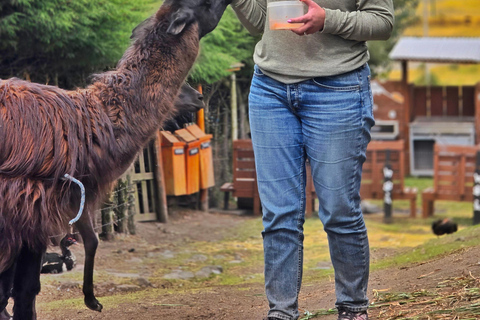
[27, 217]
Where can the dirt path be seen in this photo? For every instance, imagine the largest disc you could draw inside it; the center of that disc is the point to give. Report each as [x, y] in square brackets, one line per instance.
[396, 292]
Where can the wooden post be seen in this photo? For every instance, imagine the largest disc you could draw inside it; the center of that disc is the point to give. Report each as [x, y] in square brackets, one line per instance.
[160, 180]
[405, 73]
[107, 218]
[201, 112]
[233, 105]
[387, 189]
[476, 191]
[131, 205]
[121, 202]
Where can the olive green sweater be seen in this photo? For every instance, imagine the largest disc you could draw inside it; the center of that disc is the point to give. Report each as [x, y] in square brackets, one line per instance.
[340, 47]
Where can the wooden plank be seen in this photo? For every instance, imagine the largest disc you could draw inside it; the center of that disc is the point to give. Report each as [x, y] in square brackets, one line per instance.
[452, 101]
[245, 165]
[436, 101]
[242, 144]
[137, 177]
[435, 167]
[461, 176]
[146, 216]
[244, 154]
[244, 174]
[402, 173]
[144, 197]
[468, 99]
[161, 195]
[419, 98]
[137, 200]
[383, 145]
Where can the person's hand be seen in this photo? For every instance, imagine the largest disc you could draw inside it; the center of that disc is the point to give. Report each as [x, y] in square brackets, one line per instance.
[313, 20]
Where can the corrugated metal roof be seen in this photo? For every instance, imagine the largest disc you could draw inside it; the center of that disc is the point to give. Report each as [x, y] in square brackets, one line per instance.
[429, 49]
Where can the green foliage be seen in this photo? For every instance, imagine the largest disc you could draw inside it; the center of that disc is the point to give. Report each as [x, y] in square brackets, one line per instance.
[63, 39]
[379, 50]
[423, 79]
[228, 44]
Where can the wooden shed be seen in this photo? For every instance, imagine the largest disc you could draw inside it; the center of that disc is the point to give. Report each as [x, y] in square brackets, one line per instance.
[426, 115]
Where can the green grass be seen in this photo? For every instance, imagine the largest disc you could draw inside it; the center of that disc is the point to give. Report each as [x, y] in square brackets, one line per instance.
[412, 240]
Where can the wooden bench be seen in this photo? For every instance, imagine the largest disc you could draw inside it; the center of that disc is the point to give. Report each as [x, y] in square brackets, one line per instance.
[244, 183]
[453, 169]
[378, 153]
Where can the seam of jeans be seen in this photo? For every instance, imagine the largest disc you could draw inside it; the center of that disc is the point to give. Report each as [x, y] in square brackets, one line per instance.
[361, 141]
[353, 184]
[300, 226]
[366, 264]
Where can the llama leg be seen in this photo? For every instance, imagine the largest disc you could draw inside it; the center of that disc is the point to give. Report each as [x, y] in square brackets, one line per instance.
[26, 284]
[90, 242]
[6, 283]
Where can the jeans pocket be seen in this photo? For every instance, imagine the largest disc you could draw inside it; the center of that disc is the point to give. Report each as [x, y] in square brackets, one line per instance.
[349, 81]
[328, 85]
[257, 71]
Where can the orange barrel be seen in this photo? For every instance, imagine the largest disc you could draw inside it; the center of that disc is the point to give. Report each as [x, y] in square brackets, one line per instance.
[173, 159]
[192, 159]
[207, 179]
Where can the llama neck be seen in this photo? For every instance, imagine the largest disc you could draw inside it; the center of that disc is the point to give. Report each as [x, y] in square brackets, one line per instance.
[138, 96]
[158, 64]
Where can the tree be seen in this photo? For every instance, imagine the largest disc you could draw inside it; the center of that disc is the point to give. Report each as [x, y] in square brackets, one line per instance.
[228, 44]
[63, 41]
[379, 50]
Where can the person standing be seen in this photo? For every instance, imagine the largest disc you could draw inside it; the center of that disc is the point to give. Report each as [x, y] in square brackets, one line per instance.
[310, 99]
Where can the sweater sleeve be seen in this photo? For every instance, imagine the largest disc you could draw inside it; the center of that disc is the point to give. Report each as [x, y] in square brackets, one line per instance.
[373, 20]
[252, 14]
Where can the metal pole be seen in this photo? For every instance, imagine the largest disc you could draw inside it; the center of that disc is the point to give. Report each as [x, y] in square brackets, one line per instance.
[233, 97]
[387, 188]
[476, 191]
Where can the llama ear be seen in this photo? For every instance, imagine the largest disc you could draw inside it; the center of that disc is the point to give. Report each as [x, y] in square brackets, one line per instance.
[180, 19]
[141, 27]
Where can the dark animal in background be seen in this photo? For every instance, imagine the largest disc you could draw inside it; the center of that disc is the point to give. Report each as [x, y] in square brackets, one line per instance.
[188, 102]
[444, 226]
[92, 134]
[53, 262]
[4, 315]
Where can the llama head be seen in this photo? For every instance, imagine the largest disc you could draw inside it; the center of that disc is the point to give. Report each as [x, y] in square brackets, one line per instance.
[206, 13]
[189, 99]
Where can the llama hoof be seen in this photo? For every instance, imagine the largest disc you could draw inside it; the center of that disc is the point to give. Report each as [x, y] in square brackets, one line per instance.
[94, 305]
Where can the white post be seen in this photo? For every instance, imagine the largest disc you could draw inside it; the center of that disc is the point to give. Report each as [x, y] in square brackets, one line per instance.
[233, 103]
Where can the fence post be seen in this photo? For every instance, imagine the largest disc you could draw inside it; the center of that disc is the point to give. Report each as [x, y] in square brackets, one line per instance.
[121, 202]
[387, 188]
[476, 191]
[131, 205]
[107, 218]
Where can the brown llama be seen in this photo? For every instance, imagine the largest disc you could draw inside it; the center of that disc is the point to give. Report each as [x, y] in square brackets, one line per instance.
[188, 101]
[92, 134]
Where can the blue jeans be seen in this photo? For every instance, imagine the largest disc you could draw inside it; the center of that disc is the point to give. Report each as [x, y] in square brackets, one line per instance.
[326, 120]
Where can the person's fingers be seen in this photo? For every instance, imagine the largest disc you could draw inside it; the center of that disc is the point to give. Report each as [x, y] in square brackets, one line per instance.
[301, 31]
[302, 19]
